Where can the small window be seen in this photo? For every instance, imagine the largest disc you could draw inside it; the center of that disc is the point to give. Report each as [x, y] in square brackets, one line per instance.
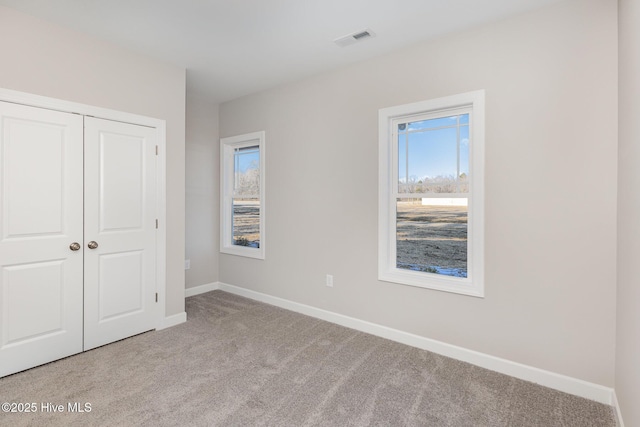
[242, 194]
[431, 225]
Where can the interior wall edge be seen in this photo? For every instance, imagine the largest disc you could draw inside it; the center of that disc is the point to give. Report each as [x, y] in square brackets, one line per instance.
[617, 410]
[172, 320]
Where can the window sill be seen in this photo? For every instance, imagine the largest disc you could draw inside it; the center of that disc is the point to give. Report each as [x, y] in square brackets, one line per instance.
[243, 251]
[438, 282]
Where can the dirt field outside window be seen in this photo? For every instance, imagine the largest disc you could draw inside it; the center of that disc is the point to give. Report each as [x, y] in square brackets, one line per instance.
[432, 238]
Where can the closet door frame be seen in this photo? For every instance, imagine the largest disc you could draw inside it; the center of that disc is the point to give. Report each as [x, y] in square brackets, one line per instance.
[32, 100]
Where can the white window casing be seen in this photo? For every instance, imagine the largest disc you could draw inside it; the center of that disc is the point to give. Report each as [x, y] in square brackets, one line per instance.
[233, 186]
[471, 103]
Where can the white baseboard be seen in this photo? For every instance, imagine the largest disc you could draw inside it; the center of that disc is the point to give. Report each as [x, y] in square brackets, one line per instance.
[197, 290]
[616, 406]
[549, 379]
[173, 320]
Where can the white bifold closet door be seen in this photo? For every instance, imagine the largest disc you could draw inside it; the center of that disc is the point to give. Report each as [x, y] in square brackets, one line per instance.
[77, 234]
[41, 287]
[120, 218]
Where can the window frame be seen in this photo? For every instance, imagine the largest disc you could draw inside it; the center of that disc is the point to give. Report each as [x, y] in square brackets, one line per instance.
[473, 284]
[228, 146]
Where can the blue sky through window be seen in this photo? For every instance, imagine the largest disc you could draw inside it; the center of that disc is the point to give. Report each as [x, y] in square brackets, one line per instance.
[433, 148]
[247, 158]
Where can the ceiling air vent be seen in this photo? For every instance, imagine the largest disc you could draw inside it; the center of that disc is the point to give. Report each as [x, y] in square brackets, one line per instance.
[352, 38]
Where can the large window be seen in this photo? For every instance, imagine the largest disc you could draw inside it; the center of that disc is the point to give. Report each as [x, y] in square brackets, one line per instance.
[431, 225]
[242, 194]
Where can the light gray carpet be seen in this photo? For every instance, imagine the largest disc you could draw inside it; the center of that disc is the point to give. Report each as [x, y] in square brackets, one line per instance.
[237, 362]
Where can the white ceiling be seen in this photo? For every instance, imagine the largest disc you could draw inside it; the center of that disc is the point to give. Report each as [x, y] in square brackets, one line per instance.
[232, 48]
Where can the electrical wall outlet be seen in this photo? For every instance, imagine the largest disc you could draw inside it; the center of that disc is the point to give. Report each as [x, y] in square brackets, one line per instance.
[329, 281]
[187, 264]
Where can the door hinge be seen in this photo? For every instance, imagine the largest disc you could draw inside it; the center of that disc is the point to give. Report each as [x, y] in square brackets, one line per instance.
[156, 223]
[156, 150]
[156, 297]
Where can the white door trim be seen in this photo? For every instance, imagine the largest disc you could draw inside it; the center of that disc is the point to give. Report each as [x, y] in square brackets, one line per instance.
[32, 100]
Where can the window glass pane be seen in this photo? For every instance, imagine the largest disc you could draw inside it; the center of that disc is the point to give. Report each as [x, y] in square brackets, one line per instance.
[433, 156]
[402, 164]
[246, 181]
[463, 178]
[464, 118]
[246, 222]
[431, 235]
[433, 160]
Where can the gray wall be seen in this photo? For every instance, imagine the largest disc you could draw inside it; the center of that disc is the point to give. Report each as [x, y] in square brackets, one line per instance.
[202, 191]
[551, 170]
[48, 60]
[628, 330]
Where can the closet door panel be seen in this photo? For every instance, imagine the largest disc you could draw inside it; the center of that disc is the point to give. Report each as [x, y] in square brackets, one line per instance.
[41, 183]
[120, 218]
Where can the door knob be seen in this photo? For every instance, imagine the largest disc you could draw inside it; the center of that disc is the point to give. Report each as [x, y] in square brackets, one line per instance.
[92, 244]
[74, 246]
